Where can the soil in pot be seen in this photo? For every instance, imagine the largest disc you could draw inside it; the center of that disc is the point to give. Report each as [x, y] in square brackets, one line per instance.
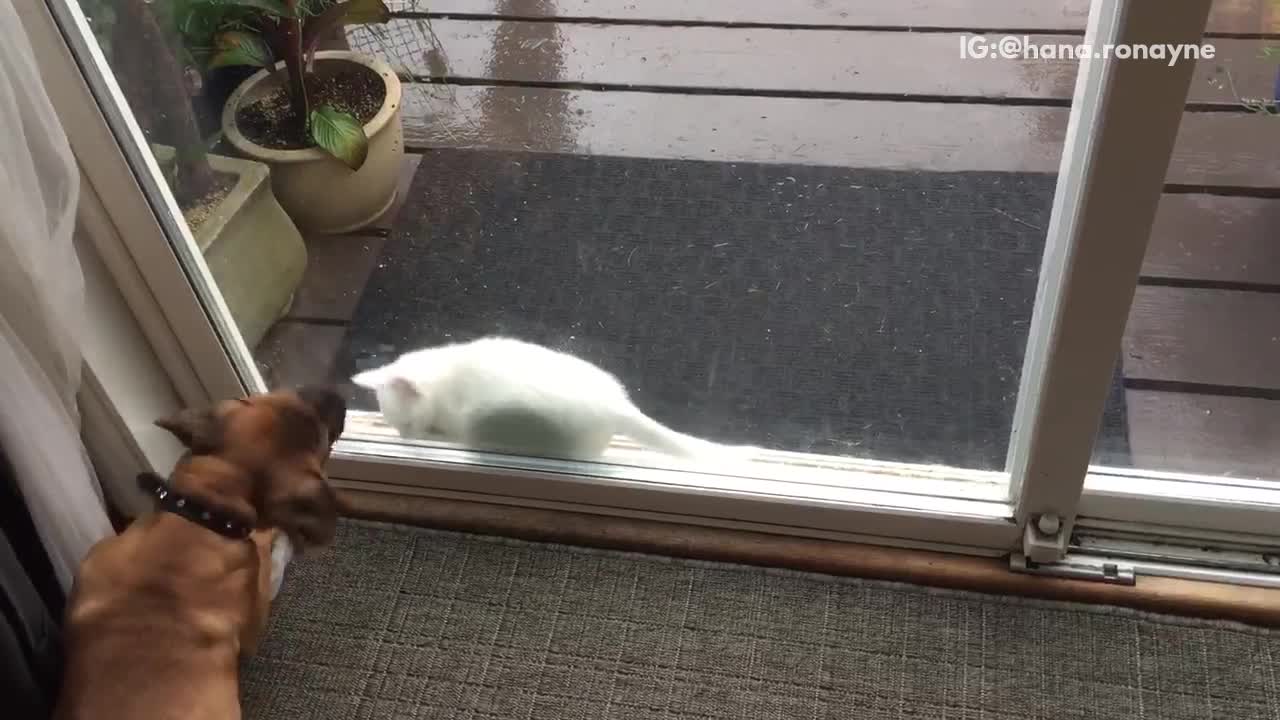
[271, 122]
[219, 83]
[199, 210]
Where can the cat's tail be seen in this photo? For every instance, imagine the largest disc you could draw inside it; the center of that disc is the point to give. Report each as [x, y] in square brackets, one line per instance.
[656, 436]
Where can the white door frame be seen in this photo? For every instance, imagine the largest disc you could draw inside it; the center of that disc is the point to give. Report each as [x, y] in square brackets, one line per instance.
[1123, 126]
[1089, 271]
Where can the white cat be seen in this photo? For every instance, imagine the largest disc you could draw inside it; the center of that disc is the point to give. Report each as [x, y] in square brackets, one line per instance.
[504, 394]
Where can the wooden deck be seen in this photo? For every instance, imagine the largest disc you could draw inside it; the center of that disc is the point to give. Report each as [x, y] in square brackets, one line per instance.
[874, 84]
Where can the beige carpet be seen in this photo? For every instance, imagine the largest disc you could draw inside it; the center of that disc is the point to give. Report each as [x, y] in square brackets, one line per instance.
[399, 622]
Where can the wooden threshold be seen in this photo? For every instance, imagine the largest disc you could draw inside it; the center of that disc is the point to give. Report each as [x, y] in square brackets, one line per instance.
[1256, 606]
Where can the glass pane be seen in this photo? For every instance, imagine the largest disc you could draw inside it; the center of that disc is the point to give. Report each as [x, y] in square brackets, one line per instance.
[1201, 353]
[824, 243]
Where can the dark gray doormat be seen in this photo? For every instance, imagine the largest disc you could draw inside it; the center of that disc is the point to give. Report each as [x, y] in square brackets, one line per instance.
[864, 312]
[398, 622]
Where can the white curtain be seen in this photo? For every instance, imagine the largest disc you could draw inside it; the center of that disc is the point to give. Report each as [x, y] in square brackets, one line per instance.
[41, 308]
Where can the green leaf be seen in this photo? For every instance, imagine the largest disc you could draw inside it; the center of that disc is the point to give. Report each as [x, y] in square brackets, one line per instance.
[340, 135]
[364, 12]
[240, 48]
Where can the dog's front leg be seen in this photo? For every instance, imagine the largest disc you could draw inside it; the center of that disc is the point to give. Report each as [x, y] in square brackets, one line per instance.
[260, 604]
[281, 554]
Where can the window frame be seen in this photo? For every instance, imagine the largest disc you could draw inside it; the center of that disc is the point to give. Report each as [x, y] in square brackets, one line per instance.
[1104, 212]
[148, 255]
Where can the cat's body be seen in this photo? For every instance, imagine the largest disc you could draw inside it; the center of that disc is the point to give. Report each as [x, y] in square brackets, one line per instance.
[501, 393]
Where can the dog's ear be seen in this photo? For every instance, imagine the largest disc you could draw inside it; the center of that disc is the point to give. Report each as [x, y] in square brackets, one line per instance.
[301, 504]
[199, 430]
[329, 404]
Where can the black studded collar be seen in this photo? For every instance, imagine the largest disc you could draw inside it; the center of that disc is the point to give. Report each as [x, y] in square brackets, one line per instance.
[197, 511]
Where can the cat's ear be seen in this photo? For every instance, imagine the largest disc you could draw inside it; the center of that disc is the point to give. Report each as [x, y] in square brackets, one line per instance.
[403, 387]
[373, 379]
[387, 377]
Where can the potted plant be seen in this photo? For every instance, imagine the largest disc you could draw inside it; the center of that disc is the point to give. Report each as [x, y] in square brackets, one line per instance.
[252, 248]
[326, 121]
[1274, 52]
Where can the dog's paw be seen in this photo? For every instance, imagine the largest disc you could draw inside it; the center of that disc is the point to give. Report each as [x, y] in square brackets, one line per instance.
[281, 554]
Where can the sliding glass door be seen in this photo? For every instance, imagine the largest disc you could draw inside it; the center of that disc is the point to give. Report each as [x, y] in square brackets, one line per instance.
[897, 265]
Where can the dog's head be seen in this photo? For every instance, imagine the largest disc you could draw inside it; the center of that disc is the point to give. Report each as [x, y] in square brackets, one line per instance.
[281, 440]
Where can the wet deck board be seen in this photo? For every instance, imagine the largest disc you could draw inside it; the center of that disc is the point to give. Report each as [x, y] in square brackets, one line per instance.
[1214, 435]
[1228, 16]
[298, 353]
[1204, 336]
[1215, 238]
[770, 61]
[1214, 149]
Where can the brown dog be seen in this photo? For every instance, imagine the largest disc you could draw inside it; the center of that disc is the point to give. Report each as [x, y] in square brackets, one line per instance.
[161, 615]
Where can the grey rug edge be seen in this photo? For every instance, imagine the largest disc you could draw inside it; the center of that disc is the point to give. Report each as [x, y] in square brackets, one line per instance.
[1063, 606]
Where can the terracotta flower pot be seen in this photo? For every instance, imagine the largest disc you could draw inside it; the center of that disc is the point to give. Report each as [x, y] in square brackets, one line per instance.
[318, 191]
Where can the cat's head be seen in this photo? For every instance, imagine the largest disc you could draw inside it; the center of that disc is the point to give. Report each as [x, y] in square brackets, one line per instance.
[399, 398]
